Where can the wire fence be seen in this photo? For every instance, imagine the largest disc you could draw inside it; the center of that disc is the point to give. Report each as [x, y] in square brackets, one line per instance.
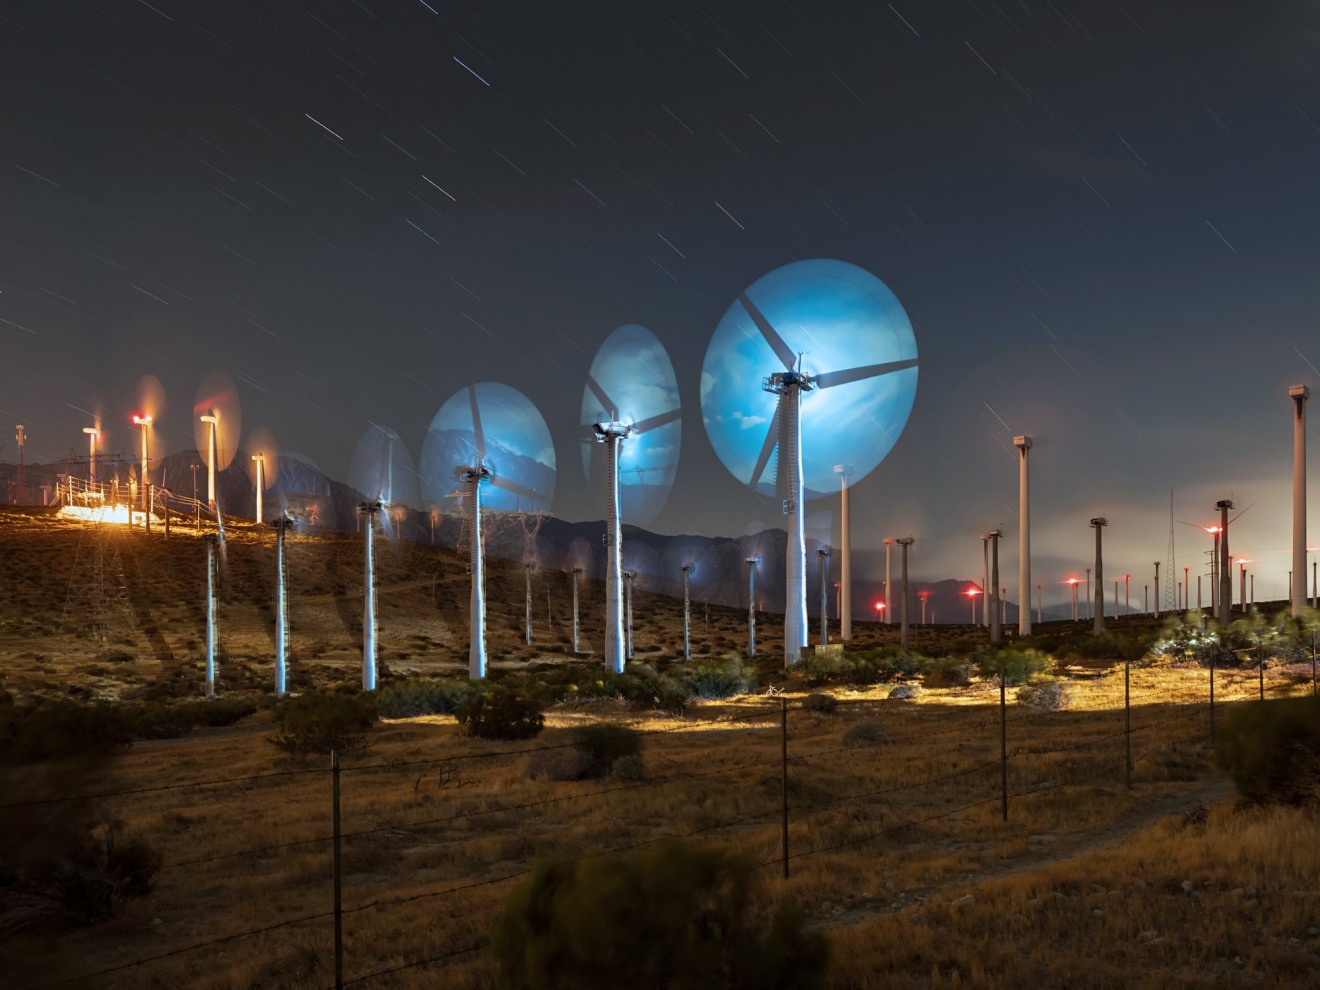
[392, 865]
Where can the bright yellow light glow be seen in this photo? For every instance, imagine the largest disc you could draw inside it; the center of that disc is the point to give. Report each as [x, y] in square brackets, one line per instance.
[119, 514]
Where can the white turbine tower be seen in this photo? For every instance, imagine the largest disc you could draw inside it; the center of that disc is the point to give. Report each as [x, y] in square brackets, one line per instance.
[212, 421]
[474, 477]
[210, 614]
[369, 511]
[612, 434]
[281, 607]
[844, 471]
[1023, 444]
[260, 460]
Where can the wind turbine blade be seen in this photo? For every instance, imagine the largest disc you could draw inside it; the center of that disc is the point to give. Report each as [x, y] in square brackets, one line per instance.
[1240, 514]
[831, 378]
[476, 423]
[517, 489]
[655, 422]
[776, 342]
[606, 403]
[767, 448]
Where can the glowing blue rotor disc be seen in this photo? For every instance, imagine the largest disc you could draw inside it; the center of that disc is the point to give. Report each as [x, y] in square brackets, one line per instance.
[632, 380]
[499, 427]
[856, 344]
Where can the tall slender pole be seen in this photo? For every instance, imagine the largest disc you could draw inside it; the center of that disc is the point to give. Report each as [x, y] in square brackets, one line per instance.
[1299, 395]
[1040, 603]
[888, 613]
[795, 562]
[612, 434]
[1225, 572]
[281, 609]
[210, 616]
[212, 421]
[1087, 600]
[751, 563]
[577, 572]
[260, 460]
[20, 434]
[995, 612]
[905, 542]
[845, 556]
[1099, 522]
[475, 476]
[687, 614]
[1187, 589]
[1023, 444]
[369, 510]
[1157, 590]
[985, 580]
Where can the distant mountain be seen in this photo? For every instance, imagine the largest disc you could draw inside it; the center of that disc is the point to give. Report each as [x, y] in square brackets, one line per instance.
[719, 573]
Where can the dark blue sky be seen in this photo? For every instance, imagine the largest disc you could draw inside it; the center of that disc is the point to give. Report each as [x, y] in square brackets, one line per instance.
[1101, 219]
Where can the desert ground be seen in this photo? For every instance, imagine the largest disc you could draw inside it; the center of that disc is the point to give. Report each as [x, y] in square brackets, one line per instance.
[930, 855]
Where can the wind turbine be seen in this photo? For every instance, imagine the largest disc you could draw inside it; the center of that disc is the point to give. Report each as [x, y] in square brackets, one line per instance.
[860, 342]
[474, 477]
[281, 605]
[211, 540]
[630, 395]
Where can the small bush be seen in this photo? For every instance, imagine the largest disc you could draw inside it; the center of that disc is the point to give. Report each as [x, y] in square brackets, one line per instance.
[823, 704]
[561, 763]
[606, 743]
[1016, 666]
[629, 768]
[324, 723]
[409, 698]
[1046, 696]
[51, 730]
[949, 672]
[500, 712]
[867, 732]
[714, 680]
[675, 916]
[904, 692]
[1271, 750]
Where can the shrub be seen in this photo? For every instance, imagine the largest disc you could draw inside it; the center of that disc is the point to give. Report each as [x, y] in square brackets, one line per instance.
[1271, 750]
[947, 672]
[866, 732]
[1016, 666]
[51, 730]
[501, 712]
[630, 768]
[593, 752]
[904, 692]
[824, 704]
[408, 698]
[166, 720]
[677, 915]
[322, 723]
[1046, 696]
[711, 679]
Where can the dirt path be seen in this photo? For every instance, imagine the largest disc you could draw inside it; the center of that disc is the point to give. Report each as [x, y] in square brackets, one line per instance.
[1051, 851]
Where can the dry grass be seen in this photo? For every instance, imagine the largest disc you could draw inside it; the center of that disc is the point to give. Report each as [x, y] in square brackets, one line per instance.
[897, 846]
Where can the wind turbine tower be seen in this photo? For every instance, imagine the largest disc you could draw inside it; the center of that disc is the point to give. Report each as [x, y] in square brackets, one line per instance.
[789, 386]
[260, 461]
[824, 554]
[751, 563]
[993, 537]
[577, 573]
[1299, 394]
[612, 434]
[1023, 444]
[1099, 522]
[210, 614]
[281, 607]
[845, 555]
[904, 542]
[369, 510]
[474, 477]
[1225, 570]
[212, 421]
[687, 614]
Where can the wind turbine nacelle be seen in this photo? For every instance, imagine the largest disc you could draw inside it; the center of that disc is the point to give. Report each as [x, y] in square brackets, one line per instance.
[611, 428]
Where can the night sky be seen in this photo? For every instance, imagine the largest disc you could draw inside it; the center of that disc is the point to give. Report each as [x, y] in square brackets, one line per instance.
[1101, 218]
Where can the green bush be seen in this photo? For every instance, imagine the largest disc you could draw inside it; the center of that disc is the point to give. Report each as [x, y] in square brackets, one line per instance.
[501, 712]
[406, 699]
[1271, 750]
[606, 743]
[1046, 695]
[322, 723]
[1016, 666]
[824, 704]
[675, 916]
[713, 679]
[947, 672]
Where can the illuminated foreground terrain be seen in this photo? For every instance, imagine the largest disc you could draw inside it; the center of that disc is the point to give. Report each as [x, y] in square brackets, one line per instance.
[897, 845]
